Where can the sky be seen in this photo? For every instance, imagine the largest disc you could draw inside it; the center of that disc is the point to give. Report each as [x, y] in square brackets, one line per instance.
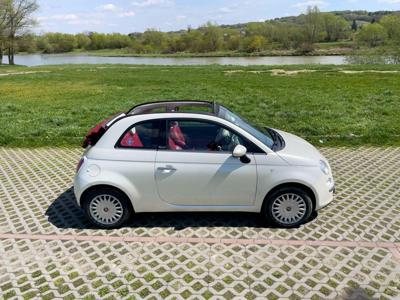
[125, 16]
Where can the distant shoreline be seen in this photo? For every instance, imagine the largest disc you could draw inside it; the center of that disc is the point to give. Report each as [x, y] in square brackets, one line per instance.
[272, 53]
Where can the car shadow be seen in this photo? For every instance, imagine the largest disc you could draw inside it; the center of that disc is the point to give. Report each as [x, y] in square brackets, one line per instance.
[64, 213]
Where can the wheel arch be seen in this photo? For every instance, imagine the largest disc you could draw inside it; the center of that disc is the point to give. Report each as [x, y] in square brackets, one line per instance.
[83, 197]
[301, 186]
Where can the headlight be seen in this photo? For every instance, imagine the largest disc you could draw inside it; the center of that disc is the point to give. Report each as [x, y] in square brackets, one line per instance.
[324, 167]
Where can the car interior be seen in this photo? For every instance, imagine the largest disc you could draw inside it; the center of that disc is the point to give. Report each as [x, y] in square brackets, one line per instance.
[183, 135]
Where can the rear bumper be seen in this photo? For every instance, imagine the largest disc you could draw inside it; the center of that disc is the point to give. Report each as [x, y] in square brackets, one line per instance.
[80, 185]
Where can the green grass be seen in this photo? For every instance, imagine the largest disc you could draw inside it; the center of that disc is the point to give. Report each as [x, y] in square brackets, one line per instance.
[326, 107]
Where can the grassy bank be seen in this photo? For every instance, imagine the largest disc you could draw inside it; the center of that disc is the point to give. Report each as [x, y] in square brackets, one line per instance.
[56, 106]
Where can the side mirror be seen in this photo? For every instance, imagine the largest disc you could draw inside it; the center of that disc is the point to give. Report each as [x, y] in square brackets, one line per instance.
[239, 151]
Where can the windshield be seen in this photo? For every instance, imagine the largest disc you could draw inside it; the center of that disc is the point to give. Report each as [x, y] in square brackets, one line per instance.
[263, 137]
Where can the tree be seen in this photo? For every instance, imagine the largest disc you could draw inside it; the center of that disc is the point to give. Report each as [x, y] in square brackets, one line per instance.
[98, 41]
[3, 18]
[212, 37]
[18, 19]
[232, 42]
[354, 25]
[371, 35]
[42, 43]
[59, 42]
[335, 27]
[257, 44]
[312, 24]
[192, 40]
[392, 25]
[154, 41]
[83, 41]
[26, 43]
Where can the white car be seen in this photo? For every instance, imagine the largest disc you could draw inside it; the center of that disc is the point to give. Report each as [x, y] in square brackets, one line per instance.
[198, 156]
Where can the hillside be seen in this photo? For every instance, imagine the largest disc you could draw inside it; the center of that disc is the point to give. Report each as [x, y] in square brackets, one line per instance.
[361, 17]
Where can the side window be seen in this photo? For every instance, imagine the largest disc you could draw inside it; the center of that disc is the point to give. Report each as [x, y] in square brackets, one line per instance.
[196, 135]
[144, 135]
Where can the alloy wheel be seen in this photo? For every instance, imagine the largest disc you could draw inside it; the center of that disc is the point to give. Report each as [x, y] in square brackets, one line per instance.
[289, 208]
[106, 209]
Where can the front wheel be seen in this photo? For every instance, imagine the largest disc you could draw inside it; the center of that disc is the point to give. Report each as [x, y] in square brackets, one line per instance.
[107, 208]
[289, 207]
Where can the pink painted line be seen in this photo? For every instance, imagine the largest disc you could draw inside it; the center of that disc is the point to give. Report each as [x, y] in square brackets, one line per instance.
[395, 253]
[386, 245]
[394, 247]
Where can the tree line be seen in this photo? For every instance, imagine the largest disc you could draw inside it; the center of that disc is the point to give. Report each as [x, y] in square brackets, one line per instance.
[300, 35]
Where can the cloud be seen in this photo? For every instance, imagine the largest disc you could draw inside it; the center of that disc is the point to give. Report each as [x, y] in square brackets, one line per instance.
[108, 7]
[85, 22]
[304, 4]
[66, 17]
[127, 14]
[178, 18]
[228, 9]
[148, 3]
[390, 1]
[225, 9]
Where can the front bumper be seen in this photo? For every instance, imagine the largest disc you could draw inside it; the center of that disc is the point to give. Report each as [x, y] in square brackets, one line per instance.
[325, 189]
[330, 199]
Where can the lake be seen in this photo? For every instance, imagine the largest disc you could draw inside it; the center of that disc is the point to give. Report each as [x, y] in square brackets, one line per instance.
[59, 59]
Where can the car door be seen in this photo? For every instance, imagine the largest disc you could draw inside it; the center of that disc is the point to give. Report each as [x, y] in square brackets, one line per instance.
[197, 168]
[134, 159]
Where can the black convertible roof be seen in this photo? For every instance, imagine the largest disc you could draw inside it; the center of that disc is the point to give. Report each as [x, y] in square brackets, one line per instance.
[171, 106]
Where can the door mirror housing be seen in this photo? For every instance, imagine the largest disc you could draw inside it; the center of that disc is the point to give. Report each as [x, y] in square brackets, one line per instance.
[239, 151]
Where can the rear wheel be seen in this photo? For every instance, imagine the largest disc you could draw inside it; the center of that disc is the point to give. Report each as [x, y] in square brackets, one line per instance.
[288, 207]
[107, 207]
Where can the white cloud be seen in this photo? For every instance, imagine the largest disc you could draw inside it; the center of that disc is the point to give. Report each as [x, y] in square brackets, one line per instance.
[127, 14]
[390, 1]
[108, 7]
[228, 9]
[147, 3]
[225, 9]
[85, 22]
[179, 18]
[66, 17]
[304, 4]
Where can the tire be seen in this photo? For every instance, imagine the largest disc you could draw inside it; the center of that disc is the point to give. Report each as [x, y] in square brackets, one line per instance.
[107, 208]
[288, 207]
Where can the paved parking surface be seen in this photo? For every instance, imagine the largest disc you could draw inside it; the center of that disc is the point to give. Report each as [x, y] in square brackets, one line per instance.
[350, 250]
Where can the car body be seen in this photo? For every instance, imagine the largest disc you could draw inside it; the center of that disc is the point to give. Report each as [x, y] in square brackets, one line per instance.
[174, 156]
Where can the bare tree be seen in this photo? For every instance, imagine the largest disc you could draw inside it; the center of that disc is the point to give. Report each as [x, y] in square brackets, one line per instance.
[18, 20]
[3, 18]
[312, 24]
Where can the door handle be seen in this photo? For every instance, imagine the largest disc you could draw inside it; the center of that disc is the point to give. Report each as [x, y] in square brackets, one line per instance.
[167, 169]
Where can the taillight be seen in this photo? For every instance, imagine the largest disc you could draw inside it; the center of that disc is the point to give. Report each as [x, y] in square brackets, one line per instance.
[80, 163]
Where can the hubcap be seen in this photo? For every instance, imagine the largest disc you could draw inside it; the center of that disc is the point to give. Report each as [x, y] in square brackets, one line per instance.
[289, 208]
[106, 209]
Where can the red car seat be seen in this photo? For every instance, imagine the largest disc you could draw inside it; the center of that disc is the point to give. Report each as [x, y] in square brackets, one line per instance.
[131, 139]
[176, 139]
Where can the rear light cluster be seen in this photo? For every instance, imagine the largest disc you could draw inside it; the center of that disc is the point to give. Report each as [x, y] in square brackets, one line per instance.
[80, 163]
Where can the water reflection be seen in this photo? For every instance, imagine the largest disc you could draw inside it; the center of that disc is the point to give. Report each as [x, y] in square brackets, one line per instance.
[58, 59]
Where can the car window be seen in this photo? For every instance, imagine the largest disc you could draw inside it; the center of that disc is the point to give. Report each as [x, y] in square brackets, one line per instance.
[144, 135]
[263, 136]
[196, 135]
